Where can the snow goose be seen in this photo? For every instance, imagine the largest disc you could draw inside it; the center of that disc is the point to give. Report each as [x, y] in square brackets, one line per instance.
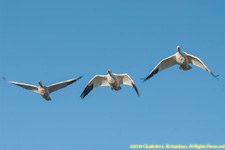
[181, 58]
[45, 91]
[111, 79]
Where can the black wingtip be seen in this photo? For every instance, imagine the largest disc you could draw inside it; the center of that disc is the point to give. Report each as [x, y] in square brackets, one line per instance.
[138, 94]
[80, 77]
[151, 74]
[5, 79]
[82, 96]
[134, 86]
[143, 79]
[217, 77]
[74, 80]
[86, 91]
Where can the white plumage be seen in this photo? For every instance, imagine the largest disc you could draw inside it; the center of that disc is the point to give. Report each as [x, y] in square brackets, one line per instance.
[181, 58]
[45, 91]
[113, 80]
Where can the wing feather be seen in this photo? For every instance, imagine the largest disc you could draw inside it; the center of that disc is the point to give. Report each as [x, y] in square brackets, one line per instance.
[96, 81]
[197, 62]
[126, 79]
[23, 85]
[163, 64]
[60, 85]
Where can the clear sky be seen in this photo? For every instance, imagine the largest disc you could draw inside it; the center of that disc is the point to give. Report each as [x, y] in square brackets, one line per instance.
[52, 41]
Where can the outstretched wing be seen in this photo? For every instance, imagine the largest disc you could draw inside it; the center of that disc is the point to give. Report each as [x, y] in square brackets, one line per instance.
[163, 64]
[197, 62]
[96, 81]
[60, 85]
[23, 85]
[126, 79]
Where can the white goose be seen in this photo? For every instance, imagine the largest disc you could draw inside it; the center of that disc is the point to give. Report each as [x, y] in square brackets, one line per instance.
[181, 58]
[111, 79]
[45, 91]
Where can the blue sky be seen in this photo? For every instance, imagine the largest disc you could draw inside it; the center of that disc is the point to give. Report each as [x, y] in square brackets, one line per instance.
[53, 41]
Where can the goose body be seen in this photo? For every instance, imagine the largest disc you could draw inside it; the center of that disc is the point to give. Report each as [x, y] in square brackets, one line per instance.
[183, 59]
[113, 80]
[45, 91]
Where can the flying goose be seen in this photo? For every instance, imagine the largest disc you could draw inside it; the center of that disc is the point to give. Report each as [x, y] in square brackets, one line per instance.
[181, 58]
[45, 91]
[111, 79]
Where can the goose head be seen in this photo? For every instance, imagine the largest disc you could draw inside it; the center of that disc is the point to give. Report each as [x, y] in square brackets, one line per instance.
[39, 82]
[109, 71]
[178, 49]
